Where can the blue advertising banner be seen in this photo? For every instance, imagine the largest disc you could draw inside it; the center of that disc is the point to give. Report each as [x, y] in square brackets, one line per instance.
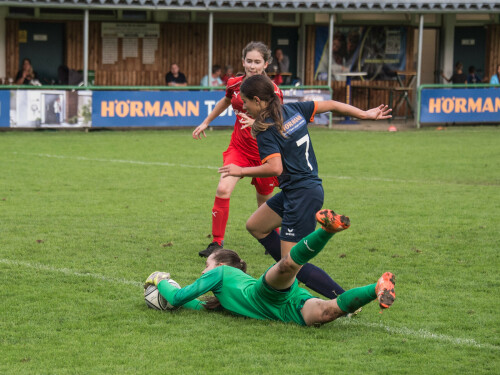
[460, 105]
[160, 108]
[4, 108]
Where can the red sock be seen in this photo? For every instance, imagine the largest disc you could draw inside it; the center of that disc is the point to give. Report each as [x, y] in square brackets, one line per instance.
[220, 214]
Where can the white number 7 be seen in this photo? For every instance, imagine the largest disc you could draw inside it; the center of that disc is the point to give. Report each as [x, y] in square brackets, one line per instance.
[300, 142]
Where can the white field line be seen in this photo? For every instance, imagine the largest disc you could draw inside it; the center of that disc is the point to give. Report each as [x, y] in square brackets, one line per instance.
[420, 334]
[84, 158]
[166, 164]
[69, 272]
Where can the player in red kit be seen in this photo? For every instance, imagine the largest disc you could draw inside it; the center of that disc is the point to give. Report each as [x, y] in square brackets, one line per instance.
[242, 150]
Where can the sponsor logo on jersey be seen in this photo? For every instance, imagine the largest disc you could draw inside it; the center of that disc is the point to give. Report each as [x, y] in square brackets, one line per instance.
[294, 123]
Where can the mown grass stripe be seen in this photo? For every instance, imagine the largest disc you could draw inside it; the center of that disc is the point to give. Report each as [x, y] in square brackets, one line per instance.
[420, 334]
[167, 164]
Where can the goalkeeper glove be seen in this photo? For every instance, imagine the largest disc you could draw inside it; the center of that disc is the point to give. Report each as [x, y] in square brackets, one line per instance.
[155, 278]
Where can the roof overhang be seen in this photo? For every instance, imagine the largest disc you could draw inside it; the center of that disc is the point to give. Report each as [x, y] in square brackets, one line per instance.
[298, 6]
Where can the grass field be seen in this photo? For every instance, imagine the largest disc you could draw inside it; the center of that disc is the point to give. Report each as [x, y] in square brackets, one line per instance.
[85, 218]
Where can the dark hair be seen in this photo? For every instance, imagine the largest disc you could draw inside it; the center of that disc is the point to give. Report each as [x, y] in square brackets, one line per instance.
[261, 86]
[229, 258]
[259, 47]
[215, 68]
[458, 65]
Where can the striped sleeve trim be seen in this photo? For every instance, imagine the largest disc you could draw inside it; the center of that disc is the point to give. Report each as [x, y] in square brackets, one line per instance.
[314, 112]
[275, 155]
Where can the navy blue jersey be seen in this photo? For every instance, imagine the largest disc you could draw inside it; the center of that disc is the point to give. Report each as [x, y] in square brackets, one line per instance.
[300, 169]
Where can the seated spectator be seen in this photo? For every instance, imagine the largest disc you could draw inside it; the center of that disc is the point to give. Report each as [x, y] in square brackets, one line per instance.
[26, 74]
[229, 74]
[495, 78]
[280, 63]
[458, 76]
[473, 77]
[214, 78]
[175, 77]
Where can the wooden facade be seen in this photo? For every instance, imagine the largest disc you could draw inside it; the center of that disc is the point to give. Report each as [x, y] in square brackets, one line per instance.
[492, 50]
[181, 43]
[186, 44]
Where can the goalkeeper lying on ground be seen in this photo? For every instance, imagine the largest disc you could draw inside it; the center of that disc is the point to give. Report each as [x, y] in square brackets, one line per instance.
[276, 294]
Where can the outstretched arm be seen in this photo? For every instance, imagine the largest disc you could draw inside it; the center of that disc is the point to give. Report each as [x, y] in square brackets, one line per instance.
[382, 112]
[210, 281]
[220, 107]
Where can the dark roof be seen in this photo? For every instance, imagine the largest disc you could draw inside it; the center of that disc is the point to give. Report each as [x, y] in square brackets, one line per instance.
[365, 6]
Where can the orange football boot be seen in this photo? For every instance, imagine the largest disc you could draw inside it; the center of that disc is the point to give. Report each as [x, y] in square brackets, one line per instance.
[385, 290]
[331, 222]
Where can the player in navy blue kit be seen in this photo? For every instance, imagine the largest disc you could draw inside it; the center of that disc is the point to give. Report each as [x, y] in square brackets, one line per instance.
[286, 151]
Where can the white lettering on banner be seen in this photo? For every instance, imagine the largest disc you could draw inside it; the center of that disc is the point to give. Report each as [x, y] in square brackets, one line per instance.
[211, 104]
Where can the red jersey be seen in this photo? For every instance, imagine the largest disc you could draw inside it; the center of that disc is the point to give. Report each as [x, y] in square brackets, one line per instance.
[242, 138]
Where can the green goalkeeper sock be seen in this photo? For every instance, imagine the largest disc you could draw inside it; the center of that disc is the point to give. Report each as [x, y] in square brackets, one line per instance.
[353, 299]
[310, 246]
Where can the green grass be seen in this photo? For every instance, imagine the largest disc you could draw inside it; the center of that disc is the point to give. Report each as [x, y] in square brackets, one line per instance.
[85, 218]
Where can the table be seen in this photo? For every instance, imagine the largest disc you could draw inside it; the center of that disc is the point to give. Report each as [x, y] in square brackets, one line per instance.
[404, 89]
[348, 76]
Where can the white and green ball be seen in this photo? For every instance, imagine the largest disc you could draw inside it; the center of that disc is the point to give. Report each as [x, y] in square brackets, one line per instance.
[155, 300]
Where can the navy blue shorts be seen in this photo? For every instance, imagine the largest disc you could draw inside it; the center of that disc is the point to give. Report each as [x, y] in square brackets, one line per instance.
[297, 209]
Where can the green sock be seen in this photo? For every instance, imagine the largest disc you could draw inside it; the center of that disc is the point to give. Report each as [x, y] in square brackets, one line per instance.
[353, 299]
[310, 246]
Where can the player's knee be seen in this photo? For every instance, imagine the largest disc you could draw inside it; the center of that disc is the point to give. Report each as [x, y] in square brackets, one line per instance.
[330, 312]
[224, 191]
[253, 228]
[287, 266]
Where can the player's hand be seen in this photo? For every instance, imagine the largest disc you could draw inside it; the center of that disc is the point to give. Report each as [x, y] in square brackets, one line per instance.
[382, 112]
[231, 170]
[246, 120]
[155, 278]
[200, 130]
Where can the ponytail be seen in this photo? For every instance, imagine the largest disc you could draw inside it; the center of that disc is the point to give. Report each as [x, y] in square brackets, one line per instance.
[273, 111]
[262, 87]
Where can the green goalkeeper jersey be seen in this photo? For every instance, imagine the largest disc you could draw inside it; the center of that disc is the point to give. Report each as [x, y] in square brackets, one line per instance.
[243, 295]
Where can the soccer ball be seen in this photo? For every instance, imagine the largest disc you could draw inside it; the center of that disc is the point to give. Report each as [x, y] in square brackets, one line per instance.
[155, 300]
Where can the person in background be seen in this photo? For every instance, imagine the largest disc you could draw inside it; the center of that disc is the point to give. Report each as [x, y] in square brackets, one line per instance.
[214, 79]
[175, 77]
[26, 74]
[58, 109]
[279, 65]
[473, 77]
[458, 76]
[495, 78]
[229, 73]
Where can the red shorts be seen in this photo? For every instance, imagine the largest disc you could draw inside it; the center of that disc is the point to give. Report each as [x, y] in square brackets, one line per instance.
[263, 185]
